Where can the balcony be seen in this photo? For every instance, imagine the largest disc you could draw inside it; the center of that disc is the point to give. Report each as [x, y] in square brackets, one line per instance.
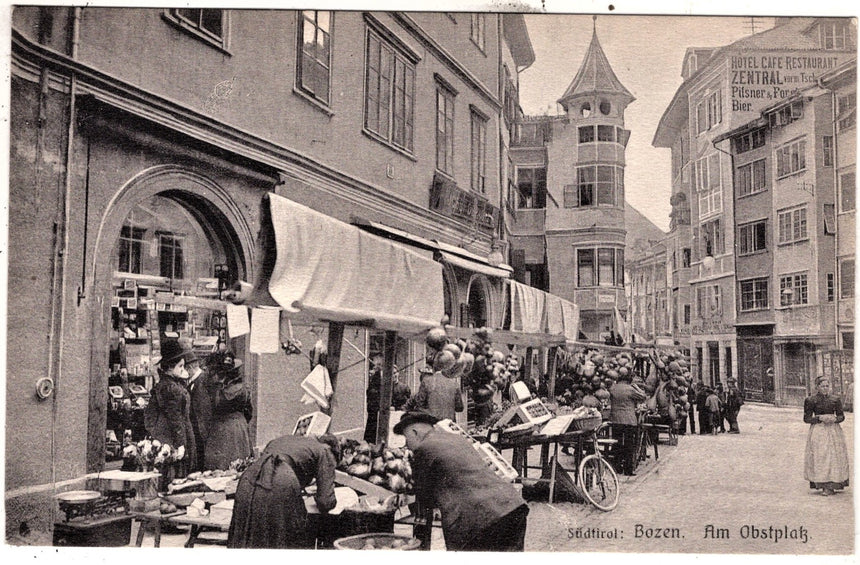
[452, 201]
[535, 133]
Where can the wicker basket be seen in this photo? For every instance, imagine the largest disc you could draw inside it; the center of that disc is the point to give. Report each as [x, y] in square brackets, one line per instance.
[379, 540]
[588, 423]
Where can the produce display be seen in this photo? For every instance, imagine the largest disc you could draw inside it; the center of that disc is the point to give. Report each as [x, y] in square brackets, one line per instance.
[389, 468]
[484, 369]
[585, 377]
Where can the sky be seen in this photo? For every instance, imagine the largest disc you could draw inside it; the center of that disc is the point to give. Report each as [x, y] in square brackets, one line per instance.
[646, 53]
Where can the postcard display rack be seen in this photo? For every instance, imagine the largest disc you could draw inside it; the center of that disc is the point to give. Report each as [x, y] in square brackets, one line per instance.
[142, 315]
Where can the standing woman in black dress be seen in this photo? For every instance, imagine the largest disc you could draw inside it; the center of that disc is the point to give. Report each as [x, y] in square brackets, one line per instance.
[826, 461]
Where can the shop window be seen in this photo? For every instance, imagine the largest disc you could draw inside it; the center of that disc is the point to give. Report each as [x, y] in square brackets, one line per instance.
[170, 256]
[479, 152]
[846, 278]
[389, 93]
[847, 191]
[478, 30]
[752, 238]
[531, 187]
[207, 24]
[793, 289]
[792, 225]
[791, 158]
[750, 178]
[130, 246]
[754, 294]
[444, 129]
[313, 65]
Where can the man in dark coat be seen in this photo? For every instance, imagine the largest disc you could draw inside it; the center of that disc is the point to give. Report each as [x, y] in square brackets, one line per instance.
[269, 511]
[623, 398]
[734, 401]
[480, 511]
[702, 392]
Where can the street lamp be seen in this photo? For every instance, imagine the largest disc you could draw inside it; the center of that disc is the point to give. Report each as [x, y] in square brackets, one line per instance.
[788, 293]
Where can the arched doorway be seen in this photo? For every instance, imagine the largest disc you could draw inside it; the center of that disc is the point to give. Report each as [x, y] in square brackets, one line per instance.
[168, 233]
[479, 304]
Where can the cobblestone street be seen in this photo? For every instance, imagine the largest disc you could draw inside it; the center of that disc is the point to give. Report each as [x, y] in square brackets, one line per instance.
[739, 484]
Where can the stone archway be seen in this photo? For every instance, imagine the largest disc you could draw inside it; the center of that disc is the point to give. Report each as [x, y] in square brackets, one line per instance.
[211, 206]
[479, 297]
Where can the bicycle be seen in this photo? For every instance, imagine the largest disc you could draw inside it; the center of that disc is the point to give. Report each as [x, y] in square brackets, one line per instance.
[597, 482]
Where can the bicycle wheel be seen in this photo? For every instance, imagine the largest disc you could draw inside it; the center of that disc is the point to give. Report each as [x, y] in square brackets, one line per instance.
[598, 482]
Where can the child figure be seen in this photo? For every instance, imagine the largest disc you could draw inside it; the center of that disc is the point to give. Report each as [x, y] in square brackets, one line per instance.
[714, 406]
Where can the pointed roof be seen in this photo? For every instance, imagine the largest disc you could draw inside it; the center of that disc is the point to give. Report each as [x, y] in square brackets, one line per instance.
[595, 75]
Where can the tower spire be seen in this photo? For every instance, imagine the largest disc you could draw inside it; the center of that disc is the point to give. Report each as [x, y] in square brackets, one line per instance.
[594, 23]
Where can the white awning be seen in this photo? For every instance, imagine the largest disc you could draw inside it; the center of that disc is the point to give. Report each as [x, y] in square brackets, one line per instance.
[335, 271]
[474, 266]
[536, 311]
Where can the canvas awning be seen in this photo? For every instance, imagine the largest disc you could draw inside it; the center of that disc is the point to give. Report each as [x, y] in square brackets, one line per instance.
[335, 271]
[474, 266]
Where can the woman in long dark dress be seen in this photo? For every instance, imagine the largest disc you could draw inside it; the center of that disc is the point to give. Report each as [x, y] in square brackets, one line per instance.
[826, 461]
[228, 437]
[269, 511]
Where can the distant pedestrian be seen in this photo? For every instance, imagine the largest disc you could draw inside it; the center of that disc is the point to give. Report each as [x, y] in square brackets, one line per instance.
[734, 401]
[691, 413]
[826, 460]
[713, 406]
[702, 407]
[721, 419]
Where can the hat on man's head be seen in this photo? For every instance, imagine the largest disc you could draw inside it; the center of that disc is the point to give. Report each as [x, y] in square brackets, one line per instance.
[171, 352]
[414, 418]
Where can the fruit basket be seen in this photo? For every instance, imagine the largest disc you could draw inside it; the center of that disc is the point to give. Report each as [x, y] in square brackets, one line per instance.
[378, 541]
[587, 423]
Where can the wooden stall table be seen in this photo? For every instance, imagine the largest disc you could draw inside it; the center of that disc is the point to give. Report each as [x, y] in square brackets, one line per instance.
[200, 524]
[521, 445]
[153, 518]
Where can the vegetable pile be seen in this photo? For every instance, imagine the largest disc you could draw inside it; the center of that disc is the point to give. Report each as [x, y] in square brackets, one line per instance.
[388, 468]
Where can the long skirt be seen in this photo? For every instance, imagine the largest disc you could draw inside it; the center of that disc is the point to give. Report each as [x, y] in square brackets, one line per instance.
[269, 511]
[826, 461]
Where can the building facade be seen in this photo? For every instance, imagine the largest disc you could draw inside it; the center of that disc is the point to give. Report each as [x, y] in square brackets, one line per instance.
[143, 142]
[785, 225]
[567, 229]
[723, 88]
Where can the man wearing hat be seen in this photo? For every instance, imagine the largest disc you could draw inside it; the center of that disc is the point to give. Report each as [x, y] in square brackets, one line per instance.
[734, 401]
[480, 511]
